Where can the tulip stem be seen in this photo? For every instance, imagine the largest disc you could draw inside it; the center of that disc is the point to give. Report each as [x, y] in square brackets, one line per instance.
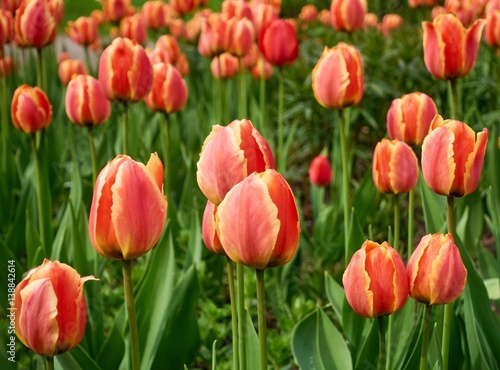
[345, 183]
[242, 316]
[125, 128]
[165, 129]
[396, 222]
[454, 98]
[262, 96]
[39, 68]
[425, 336]
[381, 343]
[4, 122]
[411, 201]
[242, 89]
[87, 60]
[92, 154]
[132, 319]
[261, 310]
[49, 362]
[281, 157]
[234, 313]
[220, 92]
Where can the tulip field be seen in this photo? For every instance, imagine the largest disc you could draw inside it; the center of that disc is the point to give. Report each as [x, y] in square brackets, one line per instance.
[244, 185]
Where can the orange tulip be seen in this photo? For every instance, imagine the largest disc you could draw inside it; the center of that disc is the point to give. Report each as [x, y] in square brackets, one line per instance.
[236, 9]
[50, 309]
[262, 15]
[155, 14]
[56, 8]
[182, 64]
[348, 15]
[215, 35]
[184, 6]
[450, 50]
[125, 71]
[242, 37]
[262, 67]
[115, 10]
[170, 46]
[394, 167]
[11, 5]
[375, 280]
[30, 109]
[34, 25]
[229, 154]
[134, 28]
[209, 229]
[224, 66]
[371, 21]
[7, 65]
[69, 68]
[6, 27]
[258, 221]
[436, 273]
[337, 78]
[492, 28]
[251, 57]
[390, 22]
[452, 157]
[169, 92]
[466, 10]
[421, 3]
[83, 31]
[128, 209]
[409, 117]
[278, 43]
[308, 13]
[320, 171]
[86, 104]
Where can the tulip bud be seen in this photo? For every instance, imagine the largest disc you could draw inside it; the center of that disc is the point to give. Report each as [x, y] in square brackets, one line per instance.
[209, 230]
[50, 309]
[34, 24]
[242, 37]
[375, 280]
[170, 46]
[421, 3]
[348, 15]
[320, 171]
[182, 64]
[236, 9]
[69, 68]
[184, 6]
[263, 67]
[308, 13]
[436, 273]
[452, 157]
[224, 66]
[492, 29]
[7, 65]
[278, 43]
[56, 8]
[6, 27]
[83, 31]
[11, 5]
[169, 92]
[155, 14]
[134, 28]
[86, 104]
[115, 10]
[128, 209]
[30, 109]
[229, 154]
[215, 35]
[262, 15]
[258, 221]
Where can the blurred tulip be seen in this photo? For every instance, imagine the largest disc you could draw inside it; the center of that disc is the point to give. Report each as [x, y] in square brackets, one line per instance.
[236, 9]
[7, 65]
[390, 22]
[86, 104]
[437, 10]
[262, 67]
[134, 28]
[50, 309]
[125, 71]
[184, 6]
[69, 68]
[436, 273]
[252, 56]
[155, 14]
[30, 110]
[465, 10]
[128, 209]
[258, 221]
[6, 27]
[421, 3]
[177, 28]
[229, 154]
[320, 171]
[83, 31]
[450, 50]
[169, 44]
[115, 10]
[242, 37]
[409, 118]
[348, 15]
[56, 8]
[11, 5]
[308, 13]
[324, 18]
[209, 229]
[262, 15]
[63, 55]
[492, 29]
[34, 25]
[394, 167]
[215, 35]
[278, 43]
[224, 66]
[452, 157]
[370, 20]
[169, 92]
[98, 16]
[375, 280]
[182, 65]
[337, 78]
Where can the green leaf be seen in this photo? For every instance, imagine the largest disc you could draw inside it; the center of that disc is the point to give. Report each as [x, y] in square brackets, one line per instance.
[353, 325]
[356, 234]
[493, 288]
[112, 351]
[76, 359]
[252, 345]
[335, 294]
[401, 332]
[366, 358]
[434, 207]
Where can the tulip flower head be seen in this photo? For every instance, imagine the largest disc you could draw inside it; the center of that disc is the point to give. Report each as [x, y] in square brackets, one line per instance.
[134, 28]
[436, 272]
[83, 31]
[69, 68]
[278, 43]
[224, 66]
[320, 171]
[30, 109]
[6, 27]
[375, 280]
[348, 15]
[209, 229]
[452, 157]
[492, 28]
[169, 93]
[86, 104]
[34, 25]
[50, 308]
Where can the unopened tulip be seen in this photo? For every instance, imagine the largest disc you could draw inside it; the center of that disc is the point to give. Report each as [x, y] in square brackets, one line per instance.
[86, 104]
[229, 154]
[409, 117]
[224, 66]
[337, 78]
[115, 10]
[155, 14]
[422, 3]
[184, 6]
[56, 8]
[375, 280]
[11, 5]
[258, 221]
[452, 157]
[236, 9]
[83, 31]
[308, 13]
[6, 27]
[450, 50]
[30, 109]
[7, 65]
[278, 43]
[209, 229]
[170, 46]
[492, 29]
[390, 22]
[465, 10]
[242, 37]
[436, 273]
[182, 64]
[34, 25]
[348, 15]
[262, 68]
[50, 309]
[169, 92]
[69, 68]
[394, 167]
[371, 20]
[262, 15]
[250, 59]
[320, 171]
[128, 209]
[215, 35]
[134, 28]
[125, 71]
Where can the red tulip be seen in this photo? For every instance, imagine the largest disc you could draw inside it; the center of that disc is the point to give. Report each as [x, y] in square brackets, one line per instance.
[30, 109]
[209, 229]
[492, 29]
[115, 10]
[258, 221]
[125, 71]
[184, 6]
[337, 78]
[320, 171]
[308, 13]
[348, 15]
[242, 37]
[11, 5]
[262, 15]
[450, 50]
[169, 92]
[155, 13]
[278, 43]
[409, 118]
[229, 154]
[6, 27]
[452, 157]
[262, 67]
[375, 280]
[128, 209]
[420, 3]
[236, 9]
[50, 309]
[86, 104]
[69, 68]
[224, 66]
[83, 31]
[215, 35]
[34, 25]
[134, 28]
[436, 273]
[170, 46]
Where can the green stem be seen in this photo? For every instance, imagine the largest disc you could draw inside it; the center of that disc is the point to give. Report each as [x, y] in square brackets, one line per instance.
[88, 62]
[425, 336]
[381, 343]
[262, 96]
[49, 361]
[261, 310]
[132, 319]
[388, 364]
[345, 183]
[39, 68]
[321, 199]
[92, 154]
[450, 204]
[165, 129]
[454, 98]
[411, 201]
[234, 313]
[220, 93]
[125, 128]
[242, 89]
[242, 316]
[4, 123]
[397, 222]
[281, 157]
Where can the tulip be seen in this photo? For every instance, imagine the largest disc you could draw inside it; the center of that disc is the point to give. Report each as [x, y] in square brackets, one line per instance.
[395, 167]
[278, 43]
[258, 221]
[7, 65]
[31, 110]
[224, 66]
[56, 8]
[466, 10]
[34, 25]
[129, 209]
[170, 46]
[242, 37]
[421, 3]
[229, 154]
[450, 50]
[308, 13]
[337, 78]
[83, 31]
[134, 28]
[209, 229]
[409, 117]
[115, 10]
[69, 68]
[436, 273]
[6, 27]
[263, 67]
[390, 22]
[320, 171]
[184, 6]
[215, 35]
[375, 280]
[348, 15]
[177, 28]
[98, 16]
[169, 92]
[370, 21]
[236, 9]
[262, 15]
[452, 157]
[492, 29]
[125, 71]
[11, 5]
[251, 57]
[182, 64]
[155, 14]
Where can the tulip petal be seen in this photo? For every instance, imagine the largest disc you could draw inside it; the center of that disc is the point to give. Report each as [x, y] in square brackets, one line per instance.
[474, 164]
[357, 283]
[155, 170]
[403, 168]
[380, 268]
[463, 147]
[396, 126]
[419, 282]
[453, 35]
[472, 42]
[433, 50]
